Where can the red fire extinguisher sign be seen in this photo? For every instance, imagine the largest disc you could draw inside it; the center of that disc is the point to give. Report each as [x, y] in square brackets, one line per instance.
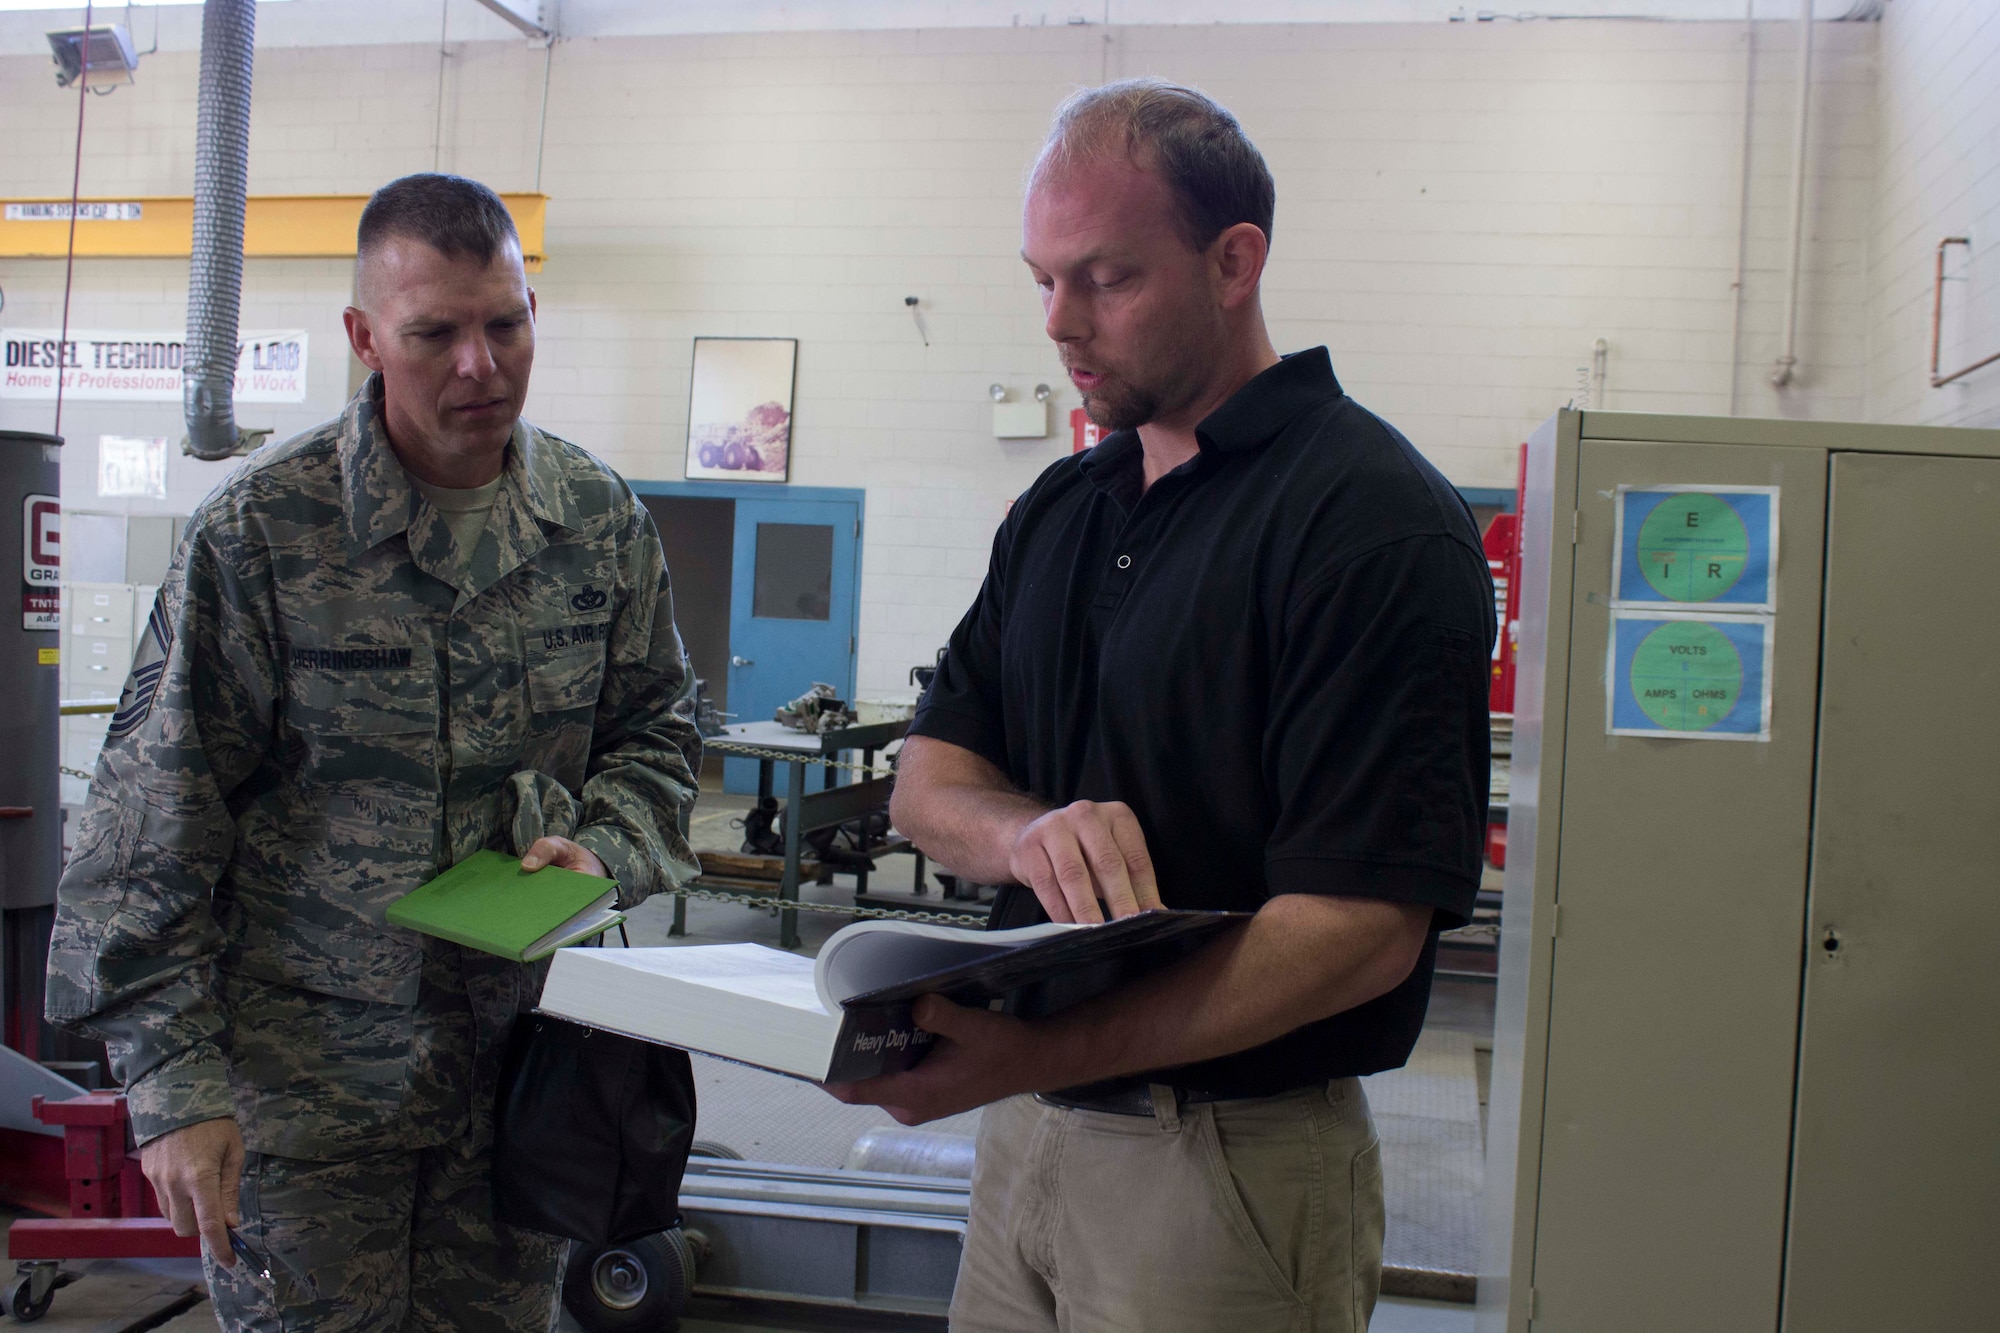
[1503, 558]
[1083, 431]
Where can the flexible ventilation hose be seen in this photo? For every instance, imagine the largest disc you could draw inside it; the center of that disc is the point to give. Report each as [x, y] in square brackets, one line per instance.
[221, 181]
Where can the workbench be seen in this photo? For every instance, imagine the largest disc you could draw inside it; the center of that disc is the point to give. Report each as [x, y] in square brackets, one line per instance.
[805, 812]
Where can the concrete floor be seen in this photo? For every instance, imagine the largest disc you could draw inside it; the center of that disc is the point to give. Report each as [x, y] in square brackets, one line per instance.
[1391, 1316]
[117, 1296]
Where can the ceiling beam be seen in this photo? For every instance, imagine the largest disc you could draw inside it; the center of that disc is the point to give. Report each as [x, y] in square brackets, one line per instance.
[274, 226]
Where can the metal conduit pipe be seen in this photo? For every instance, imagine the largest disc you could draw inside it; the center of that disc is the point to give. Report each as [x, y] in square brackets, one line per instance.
[1781, 374]
[215, 269]
[1742, 200]
[1939, 377]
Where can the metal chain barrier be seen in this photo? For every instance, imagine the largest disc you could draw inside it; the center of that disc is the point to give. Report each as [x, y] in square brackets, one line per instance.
[739, 750]
[74, 773]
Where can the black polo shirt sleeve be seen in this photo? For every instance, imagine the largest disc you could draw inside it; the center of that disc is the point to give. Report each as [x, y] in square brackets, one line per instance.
[1376, 743]
[963, 705]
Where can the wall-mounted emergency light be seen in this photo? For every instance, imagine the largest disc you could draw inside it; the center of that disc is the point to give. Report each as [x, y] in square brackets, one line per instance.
[1020, 421]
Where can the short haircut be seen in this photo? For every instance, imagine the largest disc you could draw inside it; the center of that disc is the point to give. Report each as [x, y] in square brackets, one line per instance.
[1215, 174]
[452, 215]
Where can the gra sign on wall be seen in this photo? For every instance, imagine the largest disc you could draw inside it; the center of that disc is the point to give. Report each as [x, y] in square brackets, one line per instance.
[131, 366]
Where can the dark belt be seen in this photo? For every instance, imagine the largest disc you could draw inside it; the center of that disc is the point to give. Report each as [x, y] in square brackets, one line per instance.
[1130, 1101]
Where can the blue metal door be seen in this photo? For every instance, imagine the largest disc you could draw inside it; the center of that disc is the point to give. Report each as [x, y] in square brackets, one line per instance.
[792, 608]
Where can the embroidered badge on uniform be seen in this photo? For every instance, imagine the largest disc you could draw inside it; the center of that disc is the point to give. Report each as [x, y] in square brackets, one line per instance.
[148, 665]
[587, 600]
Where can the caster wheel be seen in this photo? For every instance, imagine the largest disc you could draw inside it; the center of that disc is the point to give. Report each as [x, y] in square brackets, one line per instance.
[710, 1148]
[22, 1305]
[641, 1284]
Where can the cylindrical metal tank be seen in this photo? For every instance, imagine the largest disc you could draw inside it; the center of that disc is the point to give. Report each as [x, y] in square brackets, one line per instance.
[30, 641]
[30, 537]
[912, 1152]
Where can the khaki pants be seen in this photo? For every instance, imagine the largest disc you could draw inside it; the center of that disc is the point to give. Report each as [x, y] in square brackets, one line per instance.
[399, 1240]
[1239, 1216]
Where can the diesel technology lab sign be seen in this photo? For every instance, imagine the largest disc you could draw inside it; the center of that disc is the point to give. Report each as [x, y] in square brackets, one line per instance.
[131, 367]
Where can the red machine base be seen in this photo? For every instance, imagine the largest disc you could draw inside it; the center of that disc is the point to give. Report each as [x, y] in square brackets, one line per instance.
[99, 1238]
[112, 1211]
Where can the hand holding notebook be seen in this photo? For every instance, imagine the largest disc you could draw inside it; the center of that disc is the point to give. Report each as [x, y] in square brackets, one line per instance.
[488, 902]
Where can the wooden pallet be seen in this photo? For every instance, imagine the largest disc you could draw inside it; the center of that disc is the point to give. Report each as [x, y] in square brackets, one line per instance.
[735, 865]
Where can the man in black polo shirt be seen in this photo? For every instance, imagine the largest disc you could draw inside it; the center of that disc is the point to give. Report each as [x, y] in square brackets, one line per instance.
[1235, 657]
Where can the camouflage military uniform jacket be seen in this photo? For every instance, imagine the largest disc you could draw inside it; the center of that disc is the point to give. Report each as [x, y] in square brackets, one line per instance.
[331, 704]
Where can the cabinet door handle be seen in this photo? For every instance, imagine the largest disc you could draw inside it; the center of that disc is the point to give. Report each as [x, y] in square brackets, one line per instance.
[741, 661]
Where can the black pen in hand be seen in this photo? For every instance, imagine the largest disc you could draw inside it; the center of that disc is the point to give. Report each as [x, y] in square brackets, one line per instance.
[260, 1268]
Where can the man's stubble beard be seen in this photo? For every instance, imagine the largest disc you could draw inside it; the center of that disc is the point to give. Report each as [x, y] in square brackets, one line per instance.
[1122, 411]
[1124, 403]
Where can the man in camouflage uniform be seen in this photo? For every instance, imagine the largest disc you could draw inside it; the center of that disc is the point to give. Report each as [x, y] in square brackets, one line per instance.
[420, 630]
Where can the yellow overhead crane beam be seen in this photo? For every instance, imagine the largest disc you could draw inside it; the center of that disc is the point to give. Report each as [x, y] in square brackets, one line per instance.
[275, 226]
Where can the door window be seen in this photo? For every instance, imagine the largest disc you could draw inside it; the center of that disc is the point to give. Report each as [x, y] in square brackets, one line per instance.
[794, 578]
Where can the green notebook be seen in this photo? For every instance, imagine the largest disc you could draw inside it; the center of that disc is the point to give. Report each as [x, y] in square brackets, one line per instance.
[487, 902]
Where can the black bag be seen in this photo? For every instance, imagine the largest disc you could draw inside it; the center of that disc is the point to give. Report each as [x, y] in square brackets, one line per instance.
[592, 1134]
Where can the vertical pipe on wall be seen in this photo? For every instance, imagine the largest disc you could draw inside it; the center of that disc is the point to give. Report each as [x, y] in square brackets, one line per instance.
[444, 53]
[1104, 49]
[1781, 374]
[1743, 198]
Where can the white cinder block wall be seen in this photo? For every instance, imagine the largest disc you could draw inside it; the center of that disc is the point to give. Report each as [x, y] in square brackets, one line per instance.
[1938, 175]
[1462, 210]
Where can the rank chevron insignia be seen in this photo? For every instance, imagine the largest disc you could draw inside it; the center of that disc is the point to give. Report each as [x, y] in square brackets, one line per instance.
[148, 665]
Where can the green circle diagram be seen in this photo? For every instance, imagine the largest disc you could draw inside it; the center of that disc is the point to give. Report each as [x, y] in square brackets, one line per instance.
[1686, 676]
[1693, 547]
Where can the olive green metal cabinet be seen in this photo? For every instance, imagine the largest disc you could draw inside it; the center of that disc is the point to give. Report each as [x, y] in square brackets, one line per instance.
[1746, 1065]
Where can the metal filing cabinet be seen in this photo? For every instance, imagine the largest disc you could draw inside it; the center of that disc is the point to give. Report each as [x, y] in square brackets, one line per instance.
[1747, 1064]
[101, 618]
[98, 640]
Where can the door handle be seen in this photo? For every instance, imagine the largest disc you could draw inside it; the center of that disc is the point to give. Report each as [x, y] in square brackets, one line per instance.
[741, 661]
